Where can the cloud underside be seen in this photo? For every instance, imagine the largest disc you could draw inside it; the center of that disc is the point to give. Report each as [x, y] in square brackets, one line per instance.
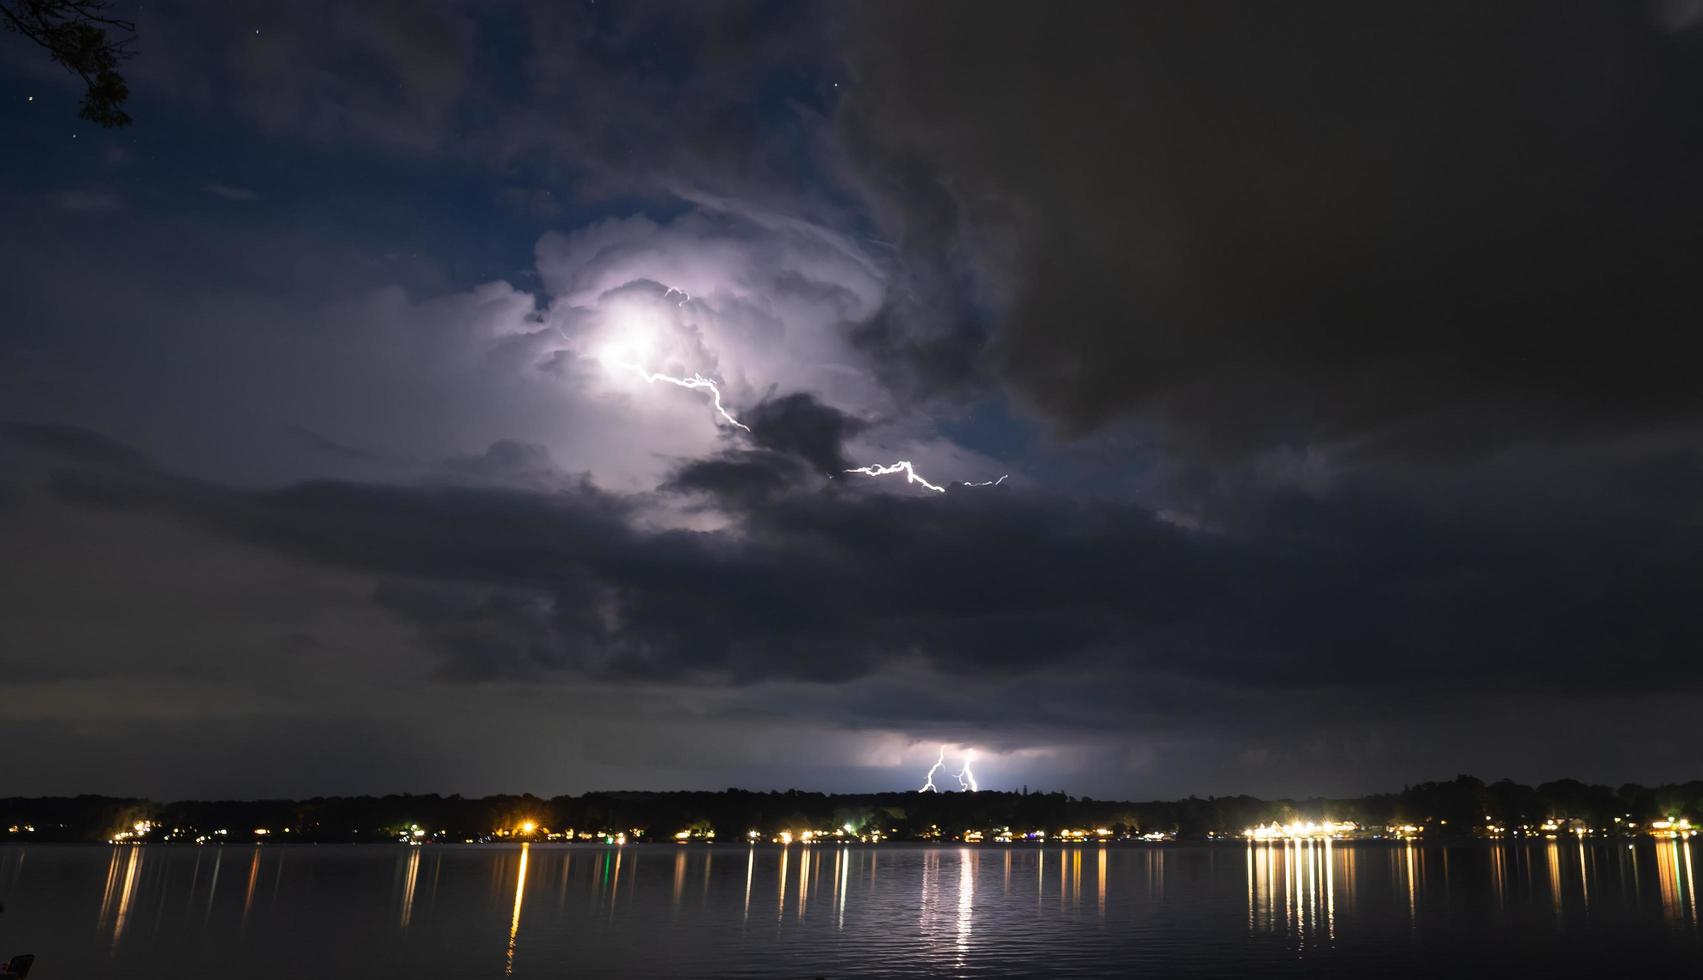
[827, 582]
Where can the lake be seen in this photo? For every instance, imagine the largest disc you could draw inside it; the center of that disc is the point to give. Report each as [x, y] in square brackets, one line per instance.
[1360, 909]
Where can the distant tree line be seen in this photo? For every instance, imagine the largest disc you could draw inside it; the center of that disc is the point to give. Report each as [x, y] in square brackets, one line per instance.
[1445, 809]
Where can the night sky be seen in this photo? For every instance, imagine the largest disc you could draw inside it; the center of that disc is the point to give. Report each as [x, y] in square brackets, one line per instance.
[1342, 358]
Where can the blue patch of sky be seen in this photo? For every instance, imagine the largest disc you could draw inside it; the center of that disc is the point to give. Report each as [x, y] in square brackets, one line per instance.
[441, 209]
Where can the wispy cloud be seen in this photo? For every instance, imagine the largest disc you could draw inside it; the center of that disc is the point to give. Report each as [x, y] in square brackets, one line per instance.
[238, 195]
[89, 199]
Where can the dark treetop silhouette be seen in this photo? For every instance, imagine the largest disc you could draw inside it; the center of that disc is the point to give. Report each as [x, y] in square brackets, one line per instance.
[1457, 808]
[80, 35]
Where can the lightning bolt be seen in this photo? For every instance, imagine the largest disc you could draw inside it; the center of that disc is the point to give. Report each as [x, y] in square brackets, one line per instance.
[939, 763]
[615, 357]
[966, 778]
[912, 476]
[902, 466]
[696, 382]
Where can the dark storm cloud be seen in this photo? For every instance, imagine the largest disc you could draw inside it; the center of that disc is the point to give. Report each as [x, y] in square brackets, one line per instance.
[801, 425]
[331, 447]
[922, 343]
[487, 634]
[79, 444]
[1433, 228]
[802, 442]
[1364, 591]
[739, 478]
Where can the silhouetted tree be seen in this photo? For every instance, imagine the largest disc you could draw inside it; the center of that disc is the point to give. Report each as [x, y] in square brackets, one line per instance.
[81, 36]
[906, 815]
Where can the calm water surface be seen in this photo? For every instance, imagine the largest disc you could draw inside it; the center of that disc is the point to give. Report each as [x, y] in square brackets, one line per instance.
[1560, 908]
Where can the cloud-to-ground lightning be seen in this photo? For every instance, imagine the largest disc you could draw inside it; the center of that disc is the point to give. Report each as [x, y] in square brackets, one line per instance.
[696, 382]
[966, 778]
[939, 763]
[912, 476]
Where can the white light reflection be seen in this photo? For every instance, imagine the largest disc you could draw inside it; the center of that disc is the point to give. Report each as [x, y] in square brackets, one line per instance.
[750, 869]
[1330, 893]
[803, 880]
[834, 879]
[845, 883]
[1690, 880]
[966, 900]
[1584, 876]
[1305, 872]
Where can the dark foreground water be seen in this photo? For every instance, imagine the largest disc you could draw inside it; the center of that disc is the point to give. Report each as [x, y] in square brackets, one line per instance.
[1367, 909]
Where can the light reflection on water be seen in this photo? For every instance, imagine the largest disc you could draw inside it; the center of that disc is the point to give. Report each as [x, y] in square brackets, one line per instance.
[1306, 873]
[519, 897]
[1285, 907]
[1675, 874]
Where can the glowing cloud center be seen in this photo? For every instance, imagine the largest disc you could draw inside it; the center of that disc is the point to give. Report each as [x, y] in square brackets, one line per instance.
[696, 382]
[623, 357]
[636, 345]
